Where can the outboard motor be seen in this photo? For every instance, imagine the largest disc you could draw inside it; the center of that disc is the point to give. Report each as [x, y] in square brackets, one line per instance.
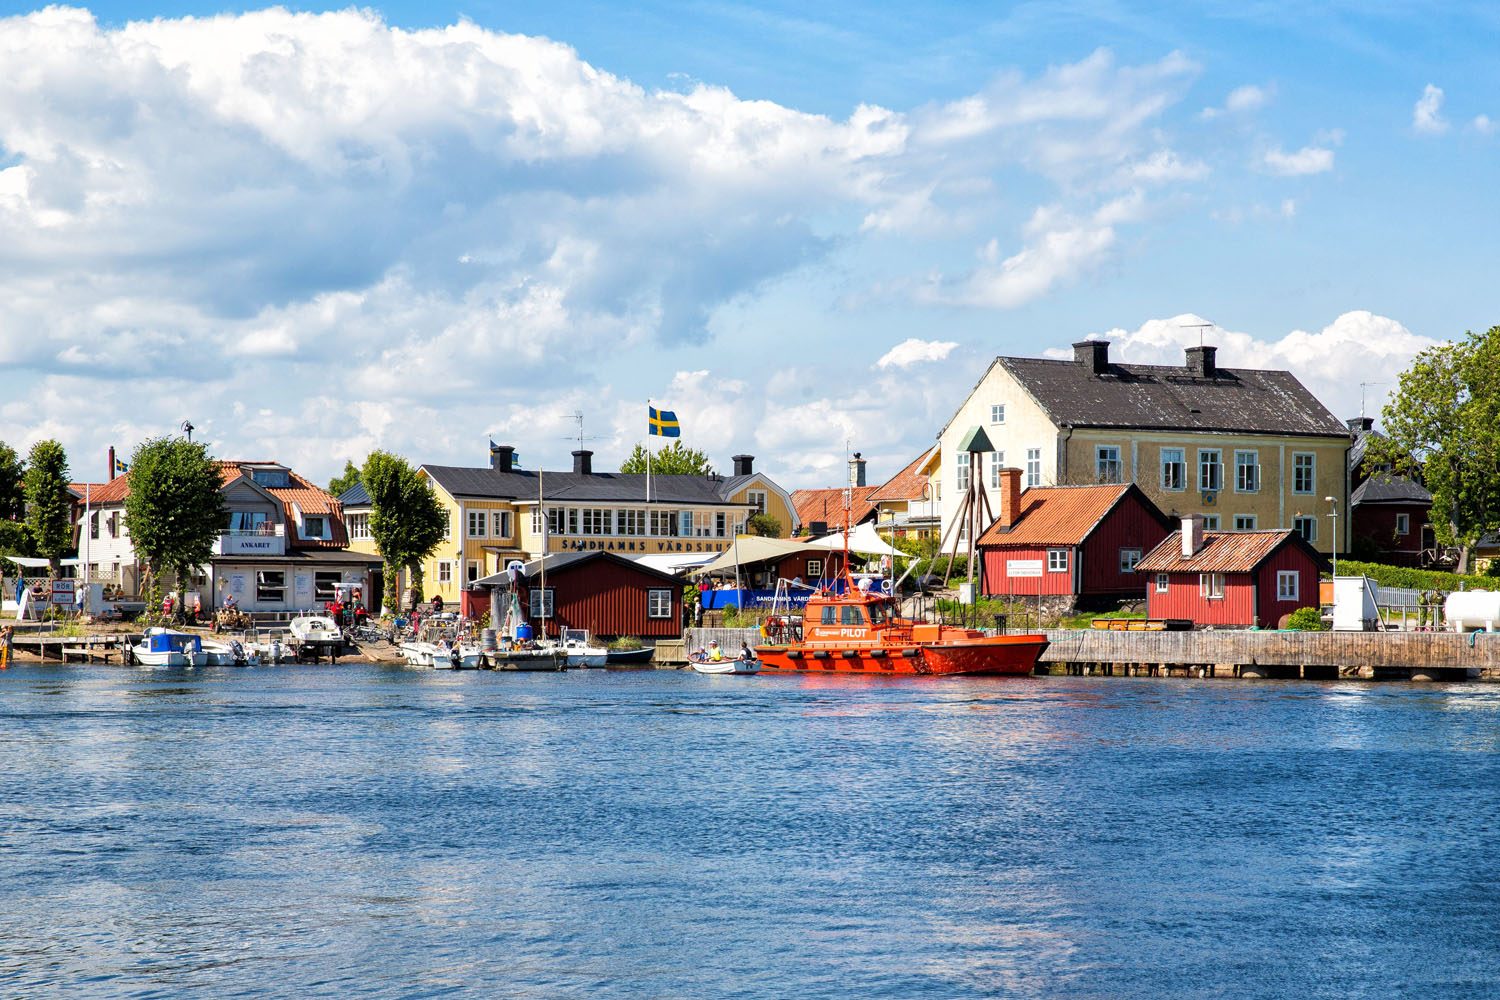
[237, 651]
[454, 657]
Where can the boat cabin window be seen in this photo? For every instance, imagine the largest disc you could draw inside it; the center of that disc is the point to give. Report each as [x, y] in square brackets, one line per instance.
[877, 614]
[853, 615]
[830, 615]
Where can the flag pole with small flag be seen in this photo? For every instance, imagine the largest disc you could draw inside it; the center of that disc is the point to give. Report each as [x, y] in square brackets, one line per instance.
[659, 423]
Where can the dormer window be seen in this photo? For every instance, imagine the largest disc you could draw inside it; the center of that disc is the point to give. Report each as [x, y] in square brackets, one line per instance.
[315, 527]
[271, 478]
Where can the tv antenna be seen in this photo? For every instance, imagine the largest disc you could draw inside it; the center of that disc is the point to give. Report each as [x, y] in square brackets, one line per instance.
[1200, 327]
[187, 428]
[578, 416]
[1362, 396]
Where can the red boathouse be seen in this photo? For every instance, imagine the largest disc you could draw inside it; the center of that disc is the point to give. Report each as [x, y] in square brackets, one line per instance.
[608, 594]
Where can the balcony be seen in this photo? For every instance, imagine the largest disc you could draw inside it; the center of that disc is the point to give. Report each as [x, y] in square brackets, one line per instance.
[266, 540]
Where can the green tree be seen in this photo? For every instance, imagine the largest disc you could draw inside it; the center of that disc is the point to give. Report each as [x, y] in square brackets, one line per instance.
[406, 518]
[174, 511]
[49, 505]
[677, 459]
[763, 525]
[1443, 425]
[344, 480]
[12, 503]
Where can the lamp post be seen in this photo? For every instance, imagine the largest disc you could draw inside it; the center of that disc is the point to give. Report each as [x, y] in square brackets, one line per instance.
[1334, 513]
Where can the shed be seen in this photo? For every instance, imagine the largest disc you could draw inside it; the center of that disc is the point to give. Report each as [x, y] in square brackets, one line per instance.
[1230, 578]
[608, 594]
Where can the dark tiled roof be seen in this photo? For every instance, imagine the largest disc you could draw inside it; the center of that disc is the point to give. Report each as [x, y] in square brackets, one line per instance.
[1167, 397]
[599, 487]
[1384, 487]
[1222, 552]
[561, 562]
[355, 496]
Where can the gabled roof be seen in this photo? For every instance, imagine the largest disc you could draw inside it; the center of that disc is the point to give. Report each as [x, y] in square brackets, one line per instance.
[827, 505]
[1167, 397]
[114, 491]
[355, 496]
[1064, 515]
[1222, 552]
[908, 484]
[598, 487]
[1386, 487]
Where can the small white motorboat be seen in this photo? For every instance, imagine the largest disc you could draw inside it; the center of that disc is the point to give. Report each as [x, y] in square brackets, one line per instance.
[580, 650]
[704, 663]
[317, 636]
[419, 654]
[162, 647]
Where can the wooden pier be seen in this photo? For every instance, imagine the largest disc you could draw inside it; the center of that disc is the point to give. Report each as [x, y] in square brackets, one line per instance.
[77, 648]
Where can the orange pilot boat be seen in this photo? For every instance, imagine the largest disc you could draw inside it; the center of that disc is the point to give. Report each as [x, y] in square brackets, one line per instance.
[858, 633]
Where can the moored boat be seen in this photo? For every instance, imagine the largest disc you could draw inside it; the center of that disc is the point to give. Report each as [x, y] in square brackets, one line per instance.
[580, 649]
[629, 657]
[161, 647]
[317, 636]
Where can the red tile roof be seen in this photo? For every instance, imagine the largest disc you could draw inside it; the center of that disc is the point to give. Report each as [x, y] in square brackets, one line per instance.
[1222, 552]
[113, 491]
[908, 484]
[828, 506]
[1057, 515]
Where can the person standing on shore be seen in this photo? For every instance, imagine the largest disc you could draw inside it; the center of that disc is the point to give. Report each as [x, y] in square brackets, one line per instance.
[7, 643]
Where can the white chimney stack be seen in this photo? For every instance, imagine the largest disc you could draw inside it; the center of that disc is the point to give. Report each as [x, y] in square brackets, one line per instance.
[1192, 535]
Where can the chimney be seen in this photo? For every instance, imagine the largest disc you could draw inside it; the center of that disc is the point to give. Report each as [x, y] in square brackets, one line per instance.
[583, 463]
[1360, 425]
[502, 458]
[1010, 498]
[744, 465]
[1192, 535]
[817, 529]
[1200, 362]
[856, 470]
[111, 464]
[1093, 355]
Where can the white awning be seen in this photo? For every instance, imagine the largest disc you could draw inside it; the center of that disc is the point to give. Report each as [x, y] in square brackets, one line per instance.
[749, 549]
[675, 562]
[31, 562]
[863, 540]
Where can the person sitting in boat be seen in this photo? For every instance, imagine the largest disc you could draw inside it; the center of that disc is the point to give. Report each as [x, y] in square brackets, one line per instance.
[715, 654]
[745, 652]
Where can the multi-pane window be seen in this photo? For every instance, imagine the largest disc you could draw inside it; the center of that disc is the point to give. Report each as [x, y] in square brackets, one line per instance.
[541, 602]
[572, 520]
[961, 469]
[270, 586]
[1107, 463]
[721, 523]
[1304, 471]
[1173, 469]
[1403, 524]
[1128, 560]
[997, 462]
[1287, 585]
[814, 569]
[477, 519]
[596, 521]
[630, 522]
[1210, 469]
[447, 525]
[500, 524]
[471, 571]
[1057, 560]
[664, 523]
[1211, 584]
[1210, 522]
[1307, 527]
[997, 413]
[658, 604]
[1033, 466]
[756, 499]
[557, 520]
[323, 584]
[1244, 522]
[703, 523]
[359, 525]
[685, 525]
[538, 518]
[445, 571]
[1162, 583]
[1247, 472]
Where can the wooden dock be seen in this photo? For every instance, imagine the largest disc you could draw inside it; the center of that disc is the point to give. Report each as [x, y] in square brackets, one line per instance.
[76, 648]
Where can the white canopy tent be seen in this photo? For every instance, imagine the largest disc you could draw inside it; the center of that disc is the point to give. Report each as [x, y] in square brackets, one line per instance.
[752, 549]
[864, 540]
[31, 562]
[675, 562]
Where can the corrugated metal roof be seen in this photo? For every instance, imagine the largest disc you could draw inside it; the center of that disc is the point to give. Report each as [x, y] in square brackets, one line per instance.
[1222, 552]
[827, 505]
[1058, 515]
[354, 496]
[908, 484]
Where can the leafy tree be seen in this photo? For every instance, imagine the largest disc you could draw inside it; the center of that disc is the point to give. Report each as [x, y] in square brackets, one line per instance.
[763, 525]
[344, 480]
[406, 518]
[1443, 424]
[677, 459]
[11, 499]
[15, 540]
[175, 510]
[49, 505]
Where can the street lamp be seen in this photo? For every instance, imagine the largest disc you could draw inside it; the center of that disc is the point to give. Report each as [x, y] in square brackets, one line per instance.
[1334, 513]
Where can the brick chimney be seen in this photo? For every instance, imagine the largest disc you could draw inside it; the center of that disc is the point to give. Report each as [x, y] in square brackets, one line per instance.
[744, 465]
[583, 463]
[1010, 498]
[1200, 362]
[1093, 355]
[1192, 535]
[856, 470]
[502, 458]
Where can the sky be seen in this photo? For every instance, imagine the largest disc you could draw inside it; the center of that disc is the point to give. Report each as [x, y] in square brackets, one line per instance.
[807, 229]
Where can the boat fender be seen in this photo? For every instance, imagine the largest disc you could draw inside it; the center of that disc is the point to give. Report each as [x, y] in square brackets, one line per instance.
[794, 654]
[819, 654]
[878, 653]
[849, 654]
[911, 654]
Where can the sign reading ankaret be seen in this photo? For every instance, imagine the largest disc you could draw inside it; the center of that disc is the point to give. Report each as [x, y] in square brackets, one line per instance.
[501, 512]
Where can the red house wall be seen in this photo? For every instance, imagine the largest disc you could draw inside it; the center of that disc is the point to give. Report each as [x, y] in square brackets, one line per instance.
[996, 584]
[609, 599]
[1182, 600]
[1288, 557]
[1376, 524]
[1128, 526]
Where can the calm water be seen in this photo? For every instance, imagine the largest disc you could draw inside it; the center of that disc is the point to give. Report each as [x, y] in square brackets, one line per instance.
[374, 831]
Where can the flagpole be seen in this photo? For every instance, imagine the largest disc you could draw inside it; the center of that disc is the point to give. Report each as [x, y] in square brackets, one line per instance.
[647, 446]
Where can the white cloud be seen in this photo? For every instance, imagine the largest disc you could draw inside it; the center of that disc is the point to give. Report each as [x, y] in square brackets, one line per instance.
[1483, 124]
[1307, 160]
[1241, 100]
[1165, 165]
[914, 351]
[1427, 113]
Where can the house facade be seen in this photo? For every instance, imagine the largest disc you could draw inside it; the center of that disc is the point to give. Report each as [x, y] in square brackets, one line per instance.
[1069, 545]
[909, 504]
[1229, 579]
[1390, 514]
[1248, 449]
[609, 594]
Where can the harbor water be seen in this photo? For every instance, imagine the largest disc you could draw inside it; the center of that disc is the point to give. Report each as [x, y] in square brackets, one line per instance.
[374, 831]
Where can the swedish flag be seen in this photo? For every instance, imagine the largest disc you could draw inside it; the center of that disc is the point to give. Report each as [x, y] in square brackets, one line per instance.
[662, 423]
[121, 468]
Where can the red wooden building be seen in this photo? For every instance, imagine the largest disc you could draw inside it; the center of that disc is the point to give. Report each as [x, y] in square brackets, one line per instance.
[1086, 540]
[1230, 578]
[608, 594]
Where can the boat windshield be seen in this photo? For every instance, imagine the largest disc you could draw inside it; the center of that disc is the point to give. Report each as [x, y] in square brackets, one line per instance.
[878, 614]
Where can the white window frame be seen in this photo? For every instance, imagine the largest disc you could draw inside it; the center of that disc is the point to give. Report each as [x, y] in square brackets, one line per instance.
[478, 521]
[538, 519]
[815, 569]
[1163, 583]
[1284, 592]
[756, 499]
[1057, 560]
[1309, 467]
[359, 525]
[1211, 586]
[448, 524]
[445, 572]
[1403, 524]
[961, 470]
[1108, 469]
[1245, 522]
[1180, 466]
[472, 569]
[1129, 558]
[685, 523]
[267, 592]
[1246, 471]
[499, 524]
[1033, 467]
[1211, 458]
[997, 413]
[997, 462]
[1311, 522]
[322, 522]
[658, 603]
[542, 602]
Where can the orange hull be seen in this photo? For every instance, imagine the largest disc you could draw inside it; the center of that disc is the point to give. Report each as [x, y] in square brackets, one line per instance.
[1005, 654]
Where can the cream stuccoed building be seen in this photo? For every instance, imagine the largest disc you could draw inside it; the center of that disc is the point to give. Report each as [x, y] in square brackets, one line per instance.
[1249, 449]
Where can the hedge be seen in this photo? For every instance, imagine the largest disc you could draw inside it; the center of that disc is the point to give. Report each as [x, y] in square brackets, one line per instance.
[1416, 579]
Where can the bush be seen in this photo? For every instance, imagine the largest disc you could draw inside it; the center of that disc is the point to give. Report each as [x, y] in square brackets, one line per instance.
[1306, 620]
[1414, 579]
[625, 643]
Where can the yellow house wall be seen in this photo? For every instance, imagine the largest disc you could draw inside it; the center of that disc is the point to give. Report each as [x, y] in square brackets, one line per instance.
[775, 506]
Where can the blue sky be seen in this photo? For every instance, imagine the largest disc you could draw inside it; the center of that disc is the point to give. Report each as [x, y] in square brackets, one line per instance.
[314, 231]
